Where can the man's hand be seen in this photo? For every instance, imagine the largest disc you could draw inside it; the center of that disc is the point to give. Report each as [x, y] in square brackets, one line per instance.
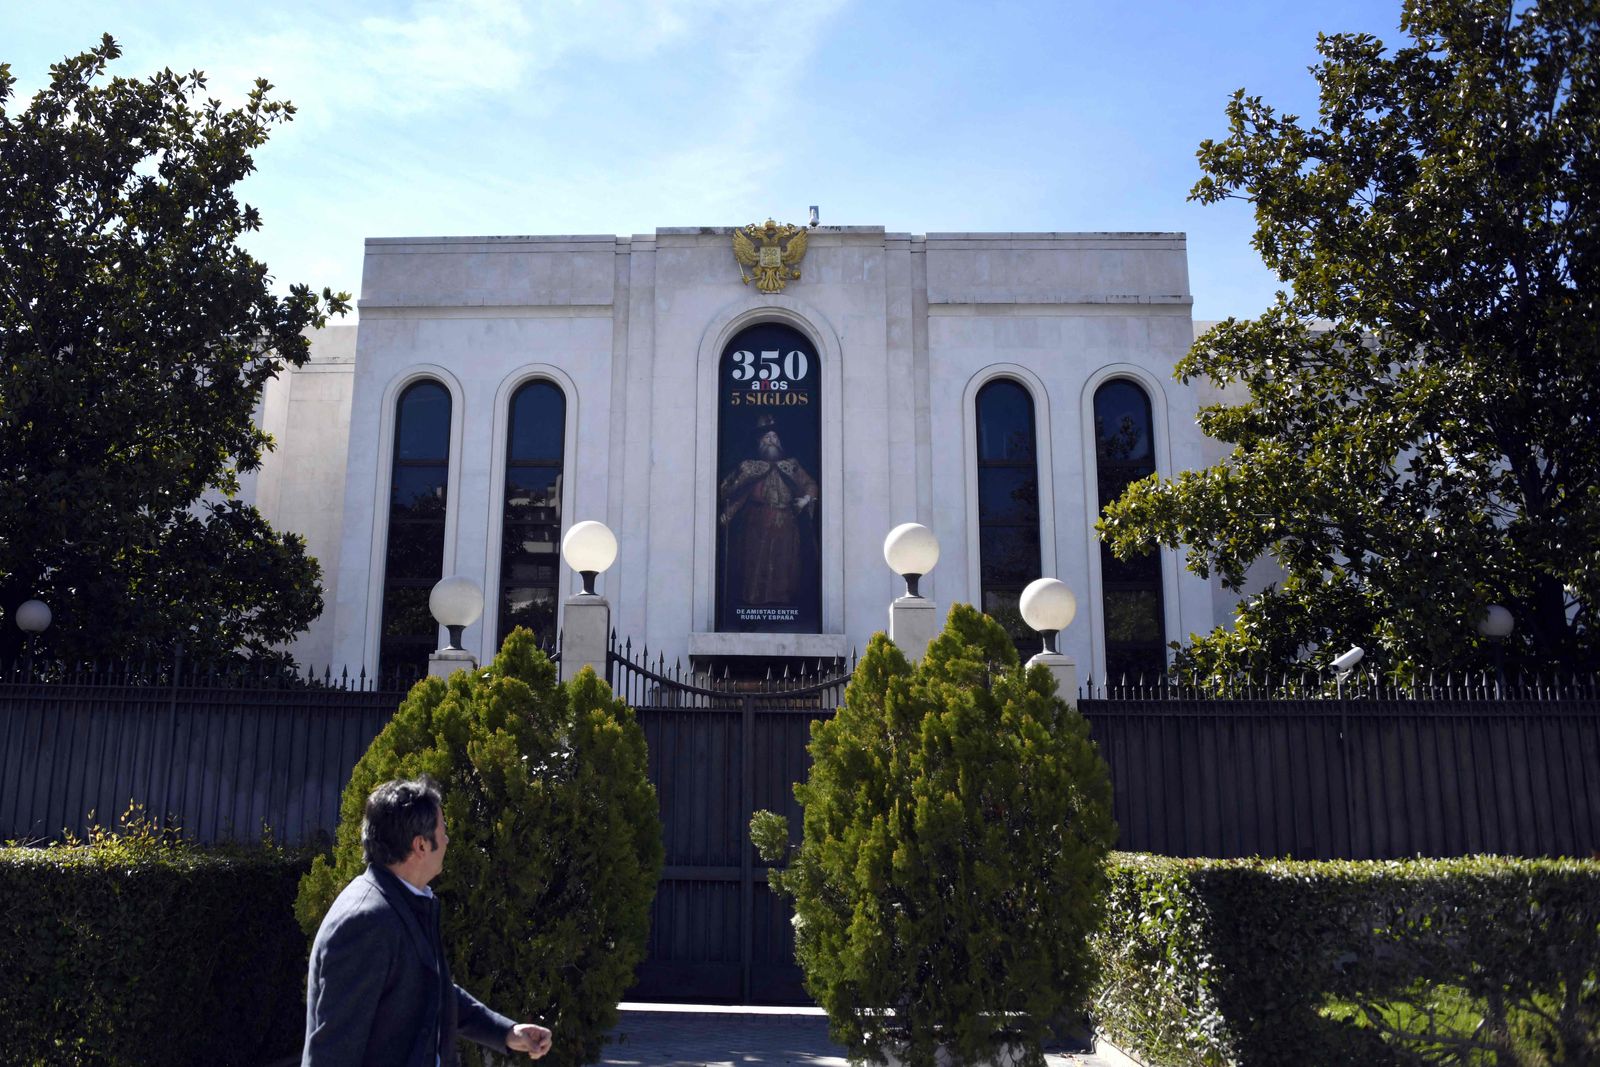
[529, 1038]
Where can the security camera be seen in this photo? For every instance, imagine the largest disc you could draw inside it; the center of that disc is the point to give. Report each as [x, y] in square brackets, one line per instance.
[1346, 662]
[814, 214]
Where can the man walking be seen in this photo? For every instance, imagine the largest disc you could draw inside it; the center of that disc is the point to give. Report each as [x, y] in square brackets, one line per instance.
[379, 992]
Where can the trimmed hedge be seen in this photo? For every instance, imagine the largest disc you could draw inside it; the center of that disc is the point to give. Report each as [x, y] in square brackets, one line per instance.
[1481, 960]
[136, 949]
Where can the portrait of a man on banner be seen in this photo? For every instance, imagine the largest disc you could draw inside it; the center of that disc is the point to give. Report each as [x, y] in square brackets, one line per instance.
[768, 499]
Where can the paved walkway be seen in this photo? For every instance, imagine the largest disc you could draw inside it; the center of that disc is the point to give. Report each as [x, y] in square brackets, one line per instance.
[654, 1035]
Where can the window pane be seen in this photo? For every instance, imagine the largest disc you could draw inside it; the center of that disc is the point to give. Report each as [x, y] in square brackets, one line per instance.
[1008, 494]
[1144, 570]
[1132, 615]
[529, 543]
[1122, 423]
[405, 612]
[1001, 605]
[1009, 554]
[533, 494]
[416, 553]
[1005, 422]
[1114, 480]
[531, 606]
[419, 491]
[538, 422]
[424, 423]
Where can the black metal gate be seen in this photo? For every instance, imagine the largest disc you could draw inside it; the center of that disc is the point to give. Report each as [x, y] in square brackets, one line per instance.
[720, 750]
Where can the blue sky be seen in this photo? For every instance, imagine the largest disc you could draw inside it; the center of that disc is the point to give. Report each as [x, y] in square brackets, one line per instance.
[450, 117]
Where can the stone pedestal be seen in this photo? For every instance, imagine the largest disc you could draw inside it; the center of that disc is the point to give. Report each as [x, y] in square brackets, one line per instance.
[913, 622]
[446, 661]
[585, 631]
[1066, 671]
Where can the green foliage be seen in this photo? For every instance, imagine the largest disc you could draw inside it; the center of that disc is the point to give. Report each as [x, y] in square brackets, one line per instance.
[555, 840]
[136, 335]
[136, 948]
[1482, 960]
[957, 817]
[1413, 422]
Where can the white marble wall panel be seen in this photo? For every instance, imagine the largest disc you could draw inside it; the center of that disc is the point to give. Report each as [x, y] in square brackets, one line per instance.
[1057, 268]
[300, 486]
[476, 272]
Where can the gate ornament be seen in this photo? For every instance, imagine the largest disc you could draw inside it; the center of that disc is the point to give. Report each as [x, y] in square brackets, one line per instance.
[761, 248]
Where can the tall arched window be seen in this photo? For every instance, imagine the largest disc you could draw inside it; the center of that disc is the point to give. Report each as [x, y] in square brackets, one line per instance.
[530, 543]
[1130, 589]
[414, 556]
[1008, 501]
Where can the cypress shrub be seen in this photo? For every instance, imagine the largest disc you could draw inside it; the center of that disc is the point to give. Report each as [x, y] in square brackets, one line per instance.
[136, 947]
[1379, 963]
[956, 822]
[555, 840]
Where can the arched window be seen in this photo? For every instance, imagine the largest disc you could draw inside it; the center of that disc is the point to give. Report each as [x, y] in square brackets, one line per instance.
[1008, 501]
[1130, 589]
[530, 543]
[414, 556]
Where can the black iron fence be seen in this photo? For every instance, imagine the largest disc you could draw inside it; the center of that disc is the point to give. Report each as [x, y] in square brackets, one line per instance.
[1289, 766]
[222, 752]
[1449, 765]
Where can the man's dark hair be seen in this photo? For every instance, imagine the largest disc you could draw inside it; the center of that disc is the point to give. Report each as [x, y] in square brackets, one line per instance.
[397, 812]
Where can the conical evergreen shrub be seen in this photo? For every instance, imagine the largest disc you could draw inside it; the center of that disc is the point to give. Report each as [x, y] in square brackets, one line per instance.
[956, 822]
[555, 840]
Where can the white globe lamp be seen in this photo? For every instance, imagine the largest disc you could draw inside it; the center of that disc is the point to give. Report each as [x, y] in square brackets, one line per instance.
[1049, 607]
[911, 551]
[1497, 623]
[589, 548]
[456, 603]
[33, 616]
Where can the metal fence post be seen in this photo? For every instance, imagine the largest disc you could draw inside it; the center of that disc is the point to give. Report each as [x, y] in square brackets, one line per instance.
[747, 802]
[1344, 766]
[172, 735]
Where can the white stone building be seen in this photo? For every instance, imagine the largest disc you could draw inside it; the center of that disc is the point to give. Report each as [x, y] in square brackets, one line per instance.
[498, 389]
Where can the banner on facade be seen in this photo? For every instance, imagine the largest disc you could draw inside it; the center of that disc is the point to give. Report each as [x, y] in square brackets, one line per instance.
[769, 437]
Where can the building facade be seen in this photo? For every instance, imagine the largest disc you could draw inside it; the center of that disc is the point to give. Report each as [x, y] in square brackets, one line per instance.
[750, 411]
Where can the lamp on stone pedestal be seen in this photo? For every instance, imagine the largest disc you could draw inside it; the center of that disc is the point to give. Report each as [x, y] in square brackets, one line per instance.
[911, 550]
[32, 618]
[1497, 624]
[455, 603]
[1049, 607]
[589, 547]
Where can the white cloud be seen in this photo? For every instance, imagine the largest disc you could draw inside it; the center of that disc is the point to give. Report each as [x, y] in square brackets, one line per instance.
[441, 51]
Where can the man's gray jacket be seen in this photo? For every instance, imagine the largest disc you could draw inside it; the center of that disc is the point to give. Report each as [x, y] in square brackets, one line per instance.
[374, 996]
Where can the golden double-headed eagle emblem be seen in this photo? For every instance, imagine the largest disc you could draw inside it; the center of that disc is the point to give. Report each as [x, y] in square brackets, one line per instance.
[762, 248]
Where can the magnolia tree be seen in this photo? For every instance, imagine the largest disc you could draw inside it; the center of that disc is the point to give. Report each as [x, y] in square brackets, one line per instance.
[951, 866]
[136, 335]
[1414, 435]
[555, 840]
